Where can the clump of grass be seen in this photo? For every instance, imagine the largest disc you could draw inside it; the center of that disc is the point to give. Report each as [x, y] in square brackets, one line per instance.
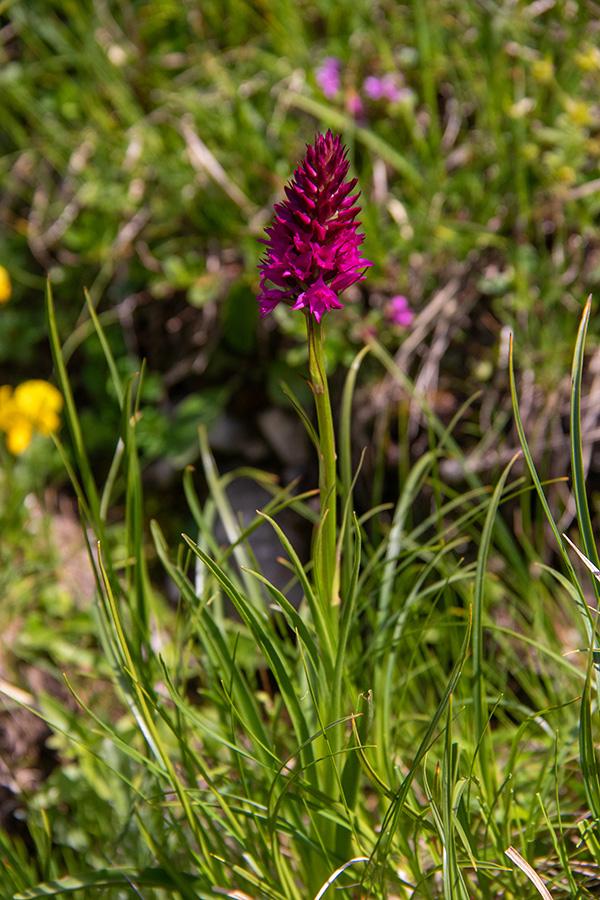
[123, 170]
[254, 748]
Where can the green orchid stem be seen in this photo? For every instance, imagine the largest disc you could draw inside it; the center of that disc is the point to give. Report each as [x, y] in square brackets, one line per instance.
[327, 581]
[326, 564]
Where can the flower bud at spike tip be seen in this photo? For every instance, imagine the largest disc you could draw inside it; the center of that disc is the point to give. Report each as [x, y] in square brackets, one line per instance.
[313, 249]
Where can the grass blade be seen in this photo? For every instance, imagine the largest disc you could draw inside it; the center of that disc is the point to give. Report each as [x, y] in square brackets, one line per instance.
[486, 764]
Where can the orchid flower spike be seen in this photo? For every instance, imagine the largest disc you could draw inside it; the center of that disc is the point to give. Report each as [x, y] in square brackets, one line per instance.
[313, 249]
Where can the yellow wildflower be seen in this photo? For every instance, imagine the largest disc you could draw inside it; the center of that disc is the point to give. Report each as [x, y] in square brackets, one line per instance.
[588, 58]
[33, 406]
[579, 112]
[566, 174]
[5, 286]
[543, 70]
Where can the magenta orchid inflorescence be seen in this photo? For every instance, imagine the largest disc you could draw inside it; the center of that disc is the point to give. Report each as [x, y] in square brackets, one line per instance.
[313, 249]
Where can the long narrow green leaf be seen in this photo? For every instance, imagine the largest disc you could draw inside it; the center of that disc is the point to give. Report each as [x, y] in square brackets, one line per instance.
[271, 651]
[412, 486]
[345, 459]
[582, 606]
[140, 591]
[137, 699]
[302, 414]
[111, 478]
[214, 644]
[321, 622]
[340, 668]
[454, 885]
[110, 360]
[207, 728]
[294, 619]
[482, 734]
[84, 508]
[590, 770]
[81, 457]
[388, 641]
[504, 537]
[230, 523]
[350, 780]
[124, 877]
[577, 466]
[395, 810]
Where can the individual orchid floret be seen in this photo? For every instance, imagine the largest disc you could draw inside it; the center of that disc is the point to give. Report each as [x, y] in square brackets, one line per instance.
[318, 299]
[313, 248]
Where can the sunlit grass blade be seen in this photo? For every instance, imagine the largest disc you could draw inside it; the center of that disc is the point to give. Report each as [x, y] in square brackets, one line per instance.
[84, 507]
[294, 620]
[230, 524]
[338, 872]
[153, 766]
[121, 878]
[362, 722]
[111, 478]
[590, 770]
[409, 491]
[138, 704]
[215, 645]
[199, 770]
[527, 453]
[577, 463]
[445, 439]
[346, 622]
[486, 760]
[542, 497]
[396, 807]
[320, 621]
[350, 778]
[259, 629]
[388, 637]
[108, 355]
[139, 590]
[207, 727]
[204, 515]
[559, 843]
[302, 414]
[533, 876]
[345, 457]
[454, 885]
[72, 418]
[341, 672]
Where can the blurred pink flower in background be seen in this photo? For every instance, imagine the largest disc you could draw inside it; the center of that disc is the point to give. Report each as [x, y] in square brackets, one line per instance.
[354, 104]
[384, 88]
[328, 76]
[398, 311]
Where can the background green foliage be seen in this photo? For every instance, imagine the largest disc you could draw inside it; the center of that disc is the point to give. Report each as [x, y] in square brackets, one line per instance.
[142, 146]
